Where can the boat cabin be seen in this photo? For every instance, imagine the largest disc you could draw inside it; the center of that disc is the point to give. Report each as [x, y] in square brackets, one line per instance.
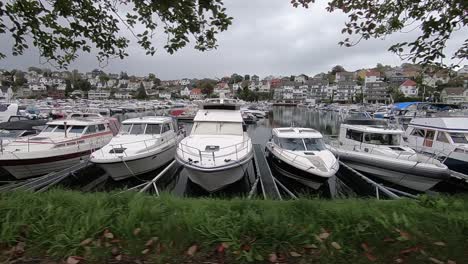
[369, 132]
[298, 139]
[439, 133]
[218, 122]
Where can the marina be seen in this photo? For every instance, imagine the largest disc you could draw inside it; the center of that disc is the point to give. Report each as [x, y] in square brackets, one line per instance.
[286, 153]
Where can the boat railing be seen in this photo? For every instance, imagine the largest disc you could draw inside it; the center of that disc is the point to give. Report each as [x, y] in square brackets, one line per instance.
[204, 156]
[149, 144]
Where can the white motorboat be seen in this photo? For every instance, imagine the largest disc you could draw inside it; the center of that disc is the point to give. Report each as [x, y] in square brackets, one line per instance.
[61, 144]
[218, 150]
[301, 154]
[443, 138]
[8, 110]
[371, 146]
[143, 144]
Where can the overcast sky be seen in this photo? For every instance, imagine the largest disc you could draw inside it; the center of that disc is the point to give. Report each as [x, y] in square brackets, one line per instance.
[267, 37]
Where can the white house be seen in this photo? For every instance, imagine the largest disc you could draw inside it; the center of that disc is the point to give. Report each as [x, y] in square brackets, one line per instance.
[196, 94]
[133, 86]
[184, 82]
[98, 95]
[112, 82]
[265, 86]
[288, 92]
[409, 88]
[120, 95]
[61, 87]
[165, 95]
[185, 92]
[301, 78]
[37, 87]
[432, 80]
[373, 76]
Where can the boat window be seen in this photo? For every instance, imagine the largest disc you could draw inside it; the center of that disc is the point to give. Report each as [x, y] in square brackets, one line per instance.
[459, 138]
[91, 129]
[354, 135]
[430, 134]
[49, 128]
[294, 144]
[230, 129]
[28, 133]
[166, 127]
[60, 128]
[418, 132]
[77, 129]
[314, 144]
[382, 139]
[137, 129]
[101, 127]
[153, 129]
[125, 129]
[275, 140]
[442, 137]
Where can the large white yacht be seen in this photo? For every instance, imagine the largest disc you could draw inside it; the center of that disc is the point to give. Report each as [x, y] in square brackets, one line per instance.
[301, 154]
[371, 146]
[444, 138]
[218, 150]
[61, 144]
[142, 145]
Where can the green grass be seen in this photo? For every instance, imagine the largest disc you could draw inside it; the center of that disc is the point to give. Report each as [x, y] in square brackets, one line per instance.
[54, 223]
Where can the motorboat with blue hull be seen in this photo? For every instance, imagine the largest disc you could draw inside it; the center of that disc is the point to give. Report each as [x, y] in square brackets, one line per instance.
[143, 144]
[301, 154]
[444, 138]
[371, 146]
[218, 150]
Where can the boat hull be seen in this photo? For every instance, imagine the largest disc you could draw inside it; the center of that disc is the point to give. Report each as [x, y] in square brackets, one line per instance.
[213, 181]
[457, 165]
[28, 168]
[309, 179]
[413, 175]
[132, 167]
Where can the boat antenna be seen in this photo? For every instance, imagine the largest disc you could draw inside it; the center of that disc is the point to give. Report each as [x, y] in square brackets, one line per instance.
[65, 128]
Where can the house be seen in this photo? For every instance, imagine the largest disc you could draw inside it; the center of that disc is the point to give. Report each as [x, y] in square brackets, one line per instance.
[133, 86]
[77, 93]
[61, 87]
[196, 94]
[184, 82]
[185, 92]
[165, 95]
[376, 92]
[435, 79]
[37, 87]
[112, 82]
[344, 76]
[373, 76]
[264, 86]
[255, 78]
[122, 95]
[98, 95]
[409, 88]
[463, 71]
[396, 77]
[301, 78]
[275, 83]
[454, 95]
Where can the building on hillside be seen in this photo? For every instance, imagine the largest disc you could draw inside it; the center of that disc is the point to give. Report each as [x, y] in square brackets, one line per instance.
[409, 88]
[196, 94]
[373, 76]
[317, 89]
[165, 95]
[435, 79]
[345, 91]
[37, 87]
[6, 93]
[463, 71]
[122, 95]
[255, 78]
[98, 94]
[454, 95]
[264, 87]
[376, 92]
[185, 92]
[344, 76]
[396, 77]
[301, 78]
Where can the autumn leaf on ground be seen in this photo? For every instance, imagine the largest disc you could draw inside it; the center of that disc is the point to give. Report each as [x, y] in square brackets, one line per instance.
[436, 261]
[310, 246]
[403, 235]
[336, 245]
[145, 251]
[439, 243]
[324, 235]
[365, 247]
[86, 242]
[370, 257]
[192, 250]
[410, 250]
[294, 254]
[222, 247]
[108, 234]
[74, 260]
[273, 258]
[137, 231]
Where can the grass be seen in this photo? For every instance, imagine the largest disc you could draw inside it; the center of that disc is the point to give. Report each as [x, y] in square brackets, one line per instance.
[54, 225]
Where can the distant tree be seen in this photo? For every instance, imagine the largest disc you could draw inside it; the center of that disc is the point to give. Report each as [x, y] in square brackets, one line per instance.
[141, 93]
[360, 81]
[82, 85]
[123, 75]
[436, 21]
[103, 78]
[235, 78]
[247, 77]
[151, 76]
[46, 72]
[157, 81]
[35, 69]
[337, 68]
[239, 91]
[112, 93]
[83, 26]
[68, 87]
[291, 78]
[20, 79]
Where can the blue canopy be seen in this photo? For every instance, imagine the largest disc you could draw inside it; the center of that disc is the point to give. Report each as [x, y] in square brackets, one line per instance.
[403, 105]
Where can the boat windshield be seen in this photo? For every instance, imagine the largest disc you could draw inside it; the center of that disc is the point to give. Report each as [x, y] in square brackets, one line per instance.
[49, 128]
[77, 129]
[217, 128]
[302, 144]
[459, 138]
[382, 139]
[125, 129]
[152, 129]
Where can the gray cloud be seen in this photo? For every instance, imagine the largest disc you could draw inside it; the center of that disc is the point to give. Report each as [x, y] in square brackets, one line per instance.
[267, 37]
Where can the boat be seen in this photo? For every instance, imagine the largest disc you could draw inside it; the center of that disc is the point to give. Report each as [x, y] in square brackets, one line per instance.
[445, 138]
[300, 154]
[249, 118]
[372, 146]
[8, 110]
[143, 144]
[218, 150]
[12, 130]
[61, 144]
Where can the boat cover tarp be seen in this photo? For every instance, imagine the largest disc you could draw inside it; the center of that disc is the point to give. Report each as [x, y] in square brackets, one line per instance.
[22, 124]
